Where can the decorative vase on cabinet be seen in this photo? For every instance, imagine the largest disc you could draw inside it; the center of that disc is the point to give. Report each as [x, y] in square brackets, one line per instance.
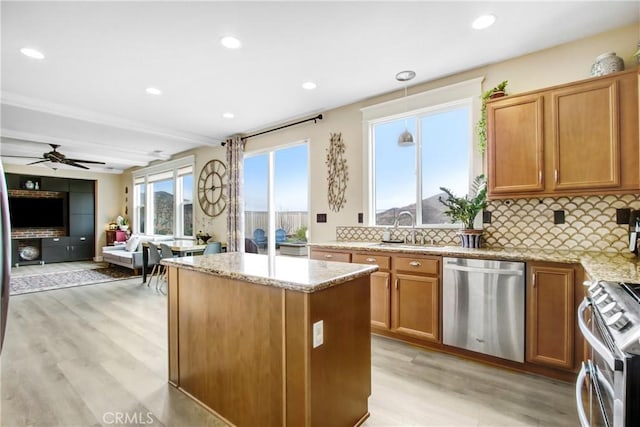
[607, 63]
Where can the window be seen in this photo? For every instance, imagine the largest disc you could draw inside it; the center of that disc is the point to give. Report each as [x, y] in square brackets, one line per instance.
[163, 199]
[409, 177]
[289, 207]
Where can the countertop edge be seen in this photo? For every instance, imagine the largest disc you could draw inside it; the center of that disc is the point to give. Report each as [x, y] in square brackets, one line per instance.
[365, 270]
[603, 266]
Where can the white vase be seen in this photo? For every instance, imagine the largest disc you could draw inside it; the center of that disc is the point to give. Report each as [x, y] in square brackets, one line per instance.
[607, 63]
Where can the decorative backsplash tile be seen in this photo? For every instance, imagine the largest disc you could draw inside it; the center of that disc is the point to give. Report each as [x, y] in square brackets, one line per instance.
[589, 225]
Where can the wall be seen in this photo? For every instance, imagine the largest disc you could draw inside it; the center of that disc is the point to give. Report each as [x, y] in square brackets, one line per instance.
[561, 64]
[110, 197]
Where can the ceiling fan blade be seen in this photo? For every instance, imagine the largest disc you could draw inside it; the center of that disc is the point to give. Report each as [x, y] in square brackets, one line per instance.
[21, 157]
[72, 163]
[86, 161]
[35, 163]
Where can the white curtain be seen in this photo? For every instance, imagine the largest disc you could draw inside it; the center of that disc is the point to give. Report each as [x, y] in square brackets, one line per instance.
[235, 191]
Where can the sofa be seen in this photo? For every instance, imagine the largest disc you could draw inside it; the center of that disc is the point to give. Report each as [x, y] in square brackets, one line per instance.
[129, 255]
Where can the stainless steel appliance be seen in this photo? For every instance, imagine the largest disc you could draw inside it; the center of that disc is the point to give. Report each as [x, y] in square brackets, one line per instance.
[483, 306]
[5, 255]
[609, 319]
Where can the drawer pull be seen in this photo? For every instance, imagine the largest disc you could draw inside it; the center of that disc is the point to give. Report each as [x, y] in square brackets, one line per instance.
[370, 260]
[56, 240]
[328, 256]
[386, 283]
[83, 239]
[415, 264]
[396, 283]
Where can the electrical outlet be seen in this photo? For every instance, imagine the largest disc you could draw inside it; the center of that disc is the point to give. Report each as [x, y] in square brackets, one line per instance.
[486, 217]
[623, 216]
[318, 333]
[558, 217]
[321, 217]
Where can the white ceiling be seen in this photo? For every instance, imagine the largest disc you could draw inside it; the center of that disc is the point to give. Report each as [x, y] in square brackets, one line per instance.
[88, 94]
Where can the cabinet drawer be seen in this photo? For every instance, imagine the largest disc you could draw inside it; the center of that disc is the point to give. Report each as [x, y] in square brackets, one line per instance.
[55, 241]
[418, 265]
[331, 256]
[382, 261]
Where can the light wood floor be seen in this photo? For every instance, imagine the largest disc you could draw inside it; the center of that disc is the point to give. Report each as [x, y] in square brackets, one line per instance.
[83, 356]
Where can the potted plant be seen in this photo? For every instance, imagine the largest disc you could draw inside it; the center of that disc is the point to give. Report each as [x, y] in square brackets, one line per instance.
[465, 209]
[124, 224]
[481, 127]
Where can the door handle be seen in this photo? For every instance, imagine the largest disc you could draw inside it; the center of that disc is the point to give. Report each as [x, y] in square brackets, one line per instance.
[370, 260]
[415, 263]
[386, 283]
[328, 256]
[396, 283]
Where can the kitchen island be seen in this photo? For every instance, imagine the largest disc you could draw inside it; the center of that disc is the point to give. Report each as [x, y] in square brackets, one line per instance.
[271, 340]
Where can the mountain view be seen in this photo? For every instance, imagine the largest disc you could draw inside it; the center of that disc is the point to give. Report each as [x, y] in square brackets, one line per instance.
[163, 202]
[432, 212]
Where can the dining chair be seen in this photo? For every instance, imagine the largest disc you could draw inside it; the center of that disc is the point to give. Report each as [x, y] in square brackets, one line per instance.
[213, 248]
[154, 259]
[250, 246]
[165, 253]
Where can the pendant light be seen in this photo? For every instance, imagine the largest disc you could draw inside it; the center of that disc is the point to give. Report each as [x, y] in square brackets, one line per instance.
[405, 138]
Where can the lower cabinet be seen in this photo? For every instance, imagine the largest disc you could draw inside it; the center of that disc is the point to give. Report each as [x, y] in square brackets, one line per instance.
[416, 307]
[551, 315]
[60, 249]
[330, 255]
[380, 299]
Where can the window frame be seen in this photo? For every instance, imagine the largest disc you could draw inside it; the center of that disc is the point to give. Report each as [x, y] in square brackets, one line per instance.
[415, 106]
[174, 170]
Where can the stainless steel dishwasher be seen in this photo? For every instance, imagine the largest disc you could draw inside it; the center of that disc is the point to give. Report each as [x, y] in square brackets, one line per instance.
[483, 306]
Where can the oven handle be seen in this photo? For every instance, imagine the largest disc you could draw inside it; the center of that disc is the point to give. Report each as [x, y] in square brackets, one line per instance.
[582, 415]
[593, 341]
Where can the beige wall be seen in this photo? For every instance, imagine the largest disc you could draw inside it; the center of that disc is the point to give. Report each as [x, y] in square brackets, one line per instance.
[110, 197]
[561, 64]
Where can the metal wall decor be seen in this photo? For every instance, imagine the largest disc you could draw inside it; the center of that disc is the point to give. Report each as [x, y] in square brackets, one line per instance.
[338, 172]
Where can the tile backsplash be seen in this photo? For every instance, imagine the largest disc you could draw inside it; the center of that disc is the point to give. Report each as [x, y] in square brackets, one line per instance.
[589, 225]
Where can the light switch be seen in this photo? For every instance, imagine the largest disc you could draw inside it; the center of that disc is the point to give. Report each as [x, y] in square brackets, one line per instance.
[318, 333]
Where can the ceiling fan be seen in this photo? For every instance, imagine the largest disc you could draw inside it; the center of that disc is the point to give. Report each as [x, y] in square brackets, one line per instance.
[55, 156]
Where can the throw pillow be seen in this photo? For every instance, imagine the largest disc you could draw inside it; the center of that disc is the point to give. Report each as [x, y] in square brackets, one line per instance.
[132, 244]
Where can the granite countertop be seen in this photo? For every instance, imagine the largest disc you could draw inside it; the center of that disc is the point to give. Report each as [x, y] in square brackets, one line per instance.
[599, 265]
[297, 274]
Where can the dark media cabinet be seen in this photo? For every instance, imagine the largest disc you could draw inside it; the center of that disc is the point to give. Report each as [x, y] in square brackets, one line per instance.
[74, 240]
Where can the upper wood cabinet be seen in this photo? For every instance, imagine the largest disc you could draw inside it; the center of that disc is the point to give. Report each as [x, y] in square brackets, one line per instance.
[516, 145]
[575, 139]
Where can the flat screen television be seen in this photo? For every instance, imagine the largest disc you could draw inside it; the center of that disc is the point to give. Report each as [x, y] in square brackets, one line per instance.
[28, 212]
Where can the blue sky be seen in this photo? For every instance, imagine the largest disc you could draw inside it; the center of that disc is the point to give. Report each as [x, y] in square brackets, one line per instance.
[291, 180]
[445, 154]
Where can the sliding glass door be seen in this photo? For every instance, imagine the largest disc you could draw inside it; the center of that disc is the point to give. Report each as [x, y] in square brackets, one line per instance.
[276, 186]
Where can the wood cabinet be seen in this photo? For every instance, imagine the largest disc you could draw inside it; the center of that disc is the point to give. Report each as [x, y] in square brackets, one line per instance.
[380, 288]
[575, 139]
[551, 315]
[516, 145]
[415, 299]
[327, 255]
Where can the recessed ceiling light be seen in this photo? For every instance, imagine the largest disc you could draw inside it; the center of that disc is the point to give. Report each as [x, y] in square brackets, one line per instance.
[153, 91]
[483, 21]
[32, 53]
[230, 42]
[228, 115]
[309, 85]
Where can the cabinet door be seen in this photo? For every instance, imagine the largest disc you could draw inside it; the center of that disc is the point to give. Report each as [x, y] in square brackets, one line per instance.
[81, 225]
[515, 145]
[80, 248]
[81, 203]
[586, 136]
[416, 307]
[56, 249]
[380, 299]
[550, 316]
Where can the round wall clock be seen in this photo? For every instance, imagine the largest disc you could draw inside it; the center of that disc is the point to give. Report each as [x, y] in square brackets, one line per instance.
[211, 188]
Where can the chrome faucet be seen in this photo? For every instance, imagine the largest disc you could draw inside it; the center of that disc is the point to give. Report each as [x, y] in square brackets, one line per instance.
[413, 224]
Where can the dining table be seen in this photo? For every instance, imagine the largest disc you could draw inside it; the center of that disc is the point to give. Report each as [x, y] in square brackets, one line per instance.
[180, 247]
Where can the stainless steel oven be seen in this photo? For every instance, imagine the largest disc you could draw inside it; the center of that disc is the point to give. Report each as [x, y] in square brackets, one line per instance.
[608, 385]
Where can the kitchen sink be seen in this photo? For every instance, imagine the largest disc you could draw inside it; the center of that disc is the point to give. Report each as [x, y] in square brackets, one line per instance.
[405, 245]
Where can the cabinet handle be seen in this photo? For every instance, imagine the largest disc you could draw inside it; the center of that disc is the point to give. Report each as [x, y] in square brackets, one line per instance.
[556, 175]
[415, 264]
[56, 240]
[386, 283]
[396, 283]
[83, 239]
[539, 177]
[370, 260]
[533, 280]
[328, 256]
